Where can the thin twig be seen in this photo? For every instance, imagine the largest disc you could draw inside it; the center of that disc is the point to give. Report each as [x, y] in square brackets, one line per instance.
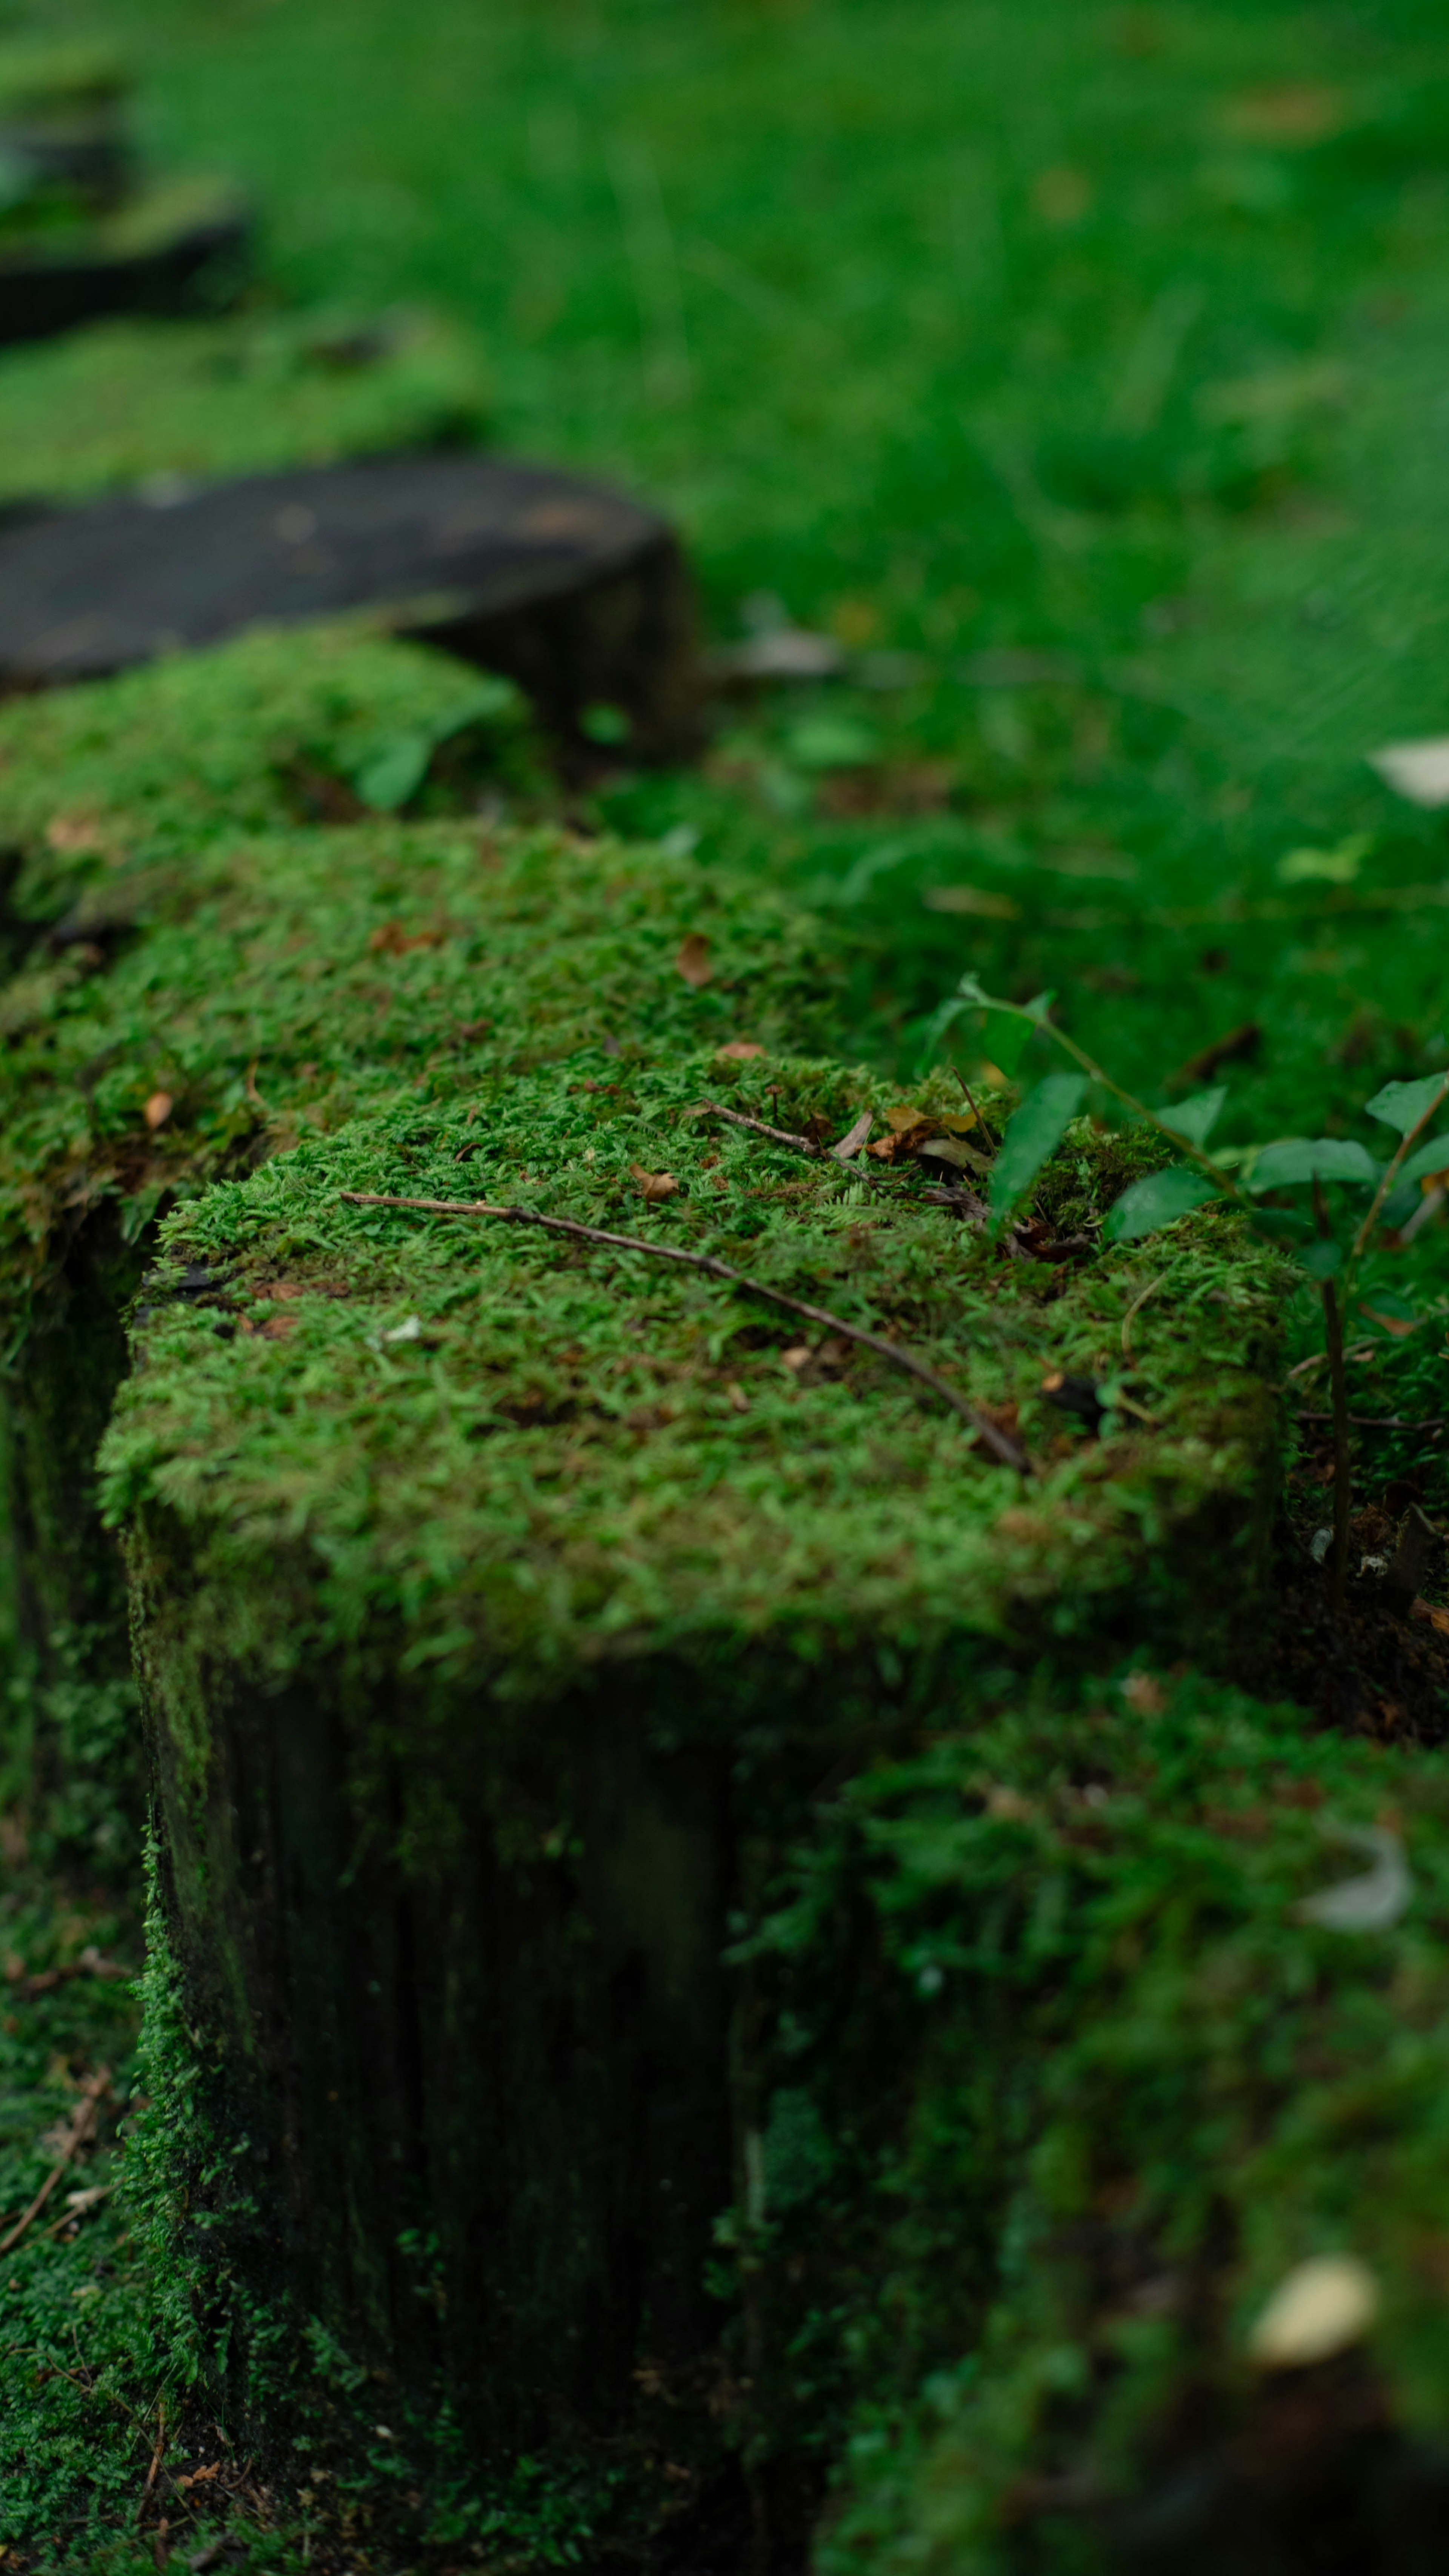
[1391, 1175]
[82, 2130]
[1333, 1335]
[852, 1140]
[44, 1982]
[1135, 1309]
[777, 1135]
[155, 2461]
[971, 1105]
[1384, 1421]
[1007, 1450]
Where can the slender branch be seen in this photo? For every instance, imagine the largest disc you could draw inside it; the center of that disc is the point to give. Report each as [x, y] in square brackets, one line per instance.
[1384, 1421]
[1001, 1446]
[1390, 1176]
[1333, 1335]
[81, 2130]
[1198, 1154]
[761, 1127]
[971, 1105]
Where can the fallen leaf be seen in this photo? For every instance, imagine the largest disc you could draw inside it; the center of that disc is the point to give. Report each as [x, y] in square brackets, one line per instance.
[798, 1358]
[1007, 1806]
[781, 653]
[158, 1109]
[738, 1049]
[693, 961]
[1398, 1325]
[278, 1328]
[1295, 112]
[654, 1185]
[409, 1330]
[393, 941]
[737, 1396]
[1417, 771]
[1144, 1694]
[1430, 1610]
[1374, 1901]
[1323, 2307]
[75, 835]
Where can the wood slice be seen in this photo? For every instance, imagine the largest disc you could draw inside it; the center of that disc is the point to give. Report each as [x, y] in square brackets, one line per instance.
[570, 588]
[200, 265]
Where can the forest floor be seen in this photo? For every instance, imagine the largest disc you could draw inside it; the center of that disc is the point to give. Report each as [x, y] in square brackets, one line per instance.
[1079, 371]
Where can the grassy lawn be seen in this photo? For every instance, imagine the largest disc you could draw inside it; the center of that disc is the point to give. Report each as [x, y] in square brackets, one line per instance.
[1106, 336]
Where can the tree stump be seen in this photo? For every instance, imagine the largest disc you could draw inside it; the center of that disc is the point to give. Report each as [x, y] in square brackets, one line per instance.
[566, 586]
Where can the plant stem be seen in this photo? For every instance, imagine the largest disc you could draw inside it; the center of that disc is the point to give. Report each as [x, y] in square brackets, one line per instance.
[1392, 1174]
[1333, 1335]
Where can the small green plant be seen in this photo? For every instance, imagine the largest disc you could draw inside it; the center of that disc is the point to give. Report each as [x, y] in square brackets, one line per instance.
[1329, 1239]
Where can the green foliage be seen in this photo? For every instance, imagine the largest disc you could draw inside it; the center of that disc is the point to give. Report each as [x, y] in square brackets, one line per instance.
[1033, 1133]
[1086, 2085]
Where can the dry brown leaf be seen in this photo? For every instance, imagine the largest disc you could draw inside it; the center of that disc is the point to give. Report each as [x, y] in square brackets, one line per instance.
[1296, 112]
[904, 1116]
[737, 1396]
[158, 1109]
[73, 835]
[1431, 1611]
[654, 1185]
[693, 960]
[738, 1049]
[797, 1358]
[1144, 1694]
[393, 941]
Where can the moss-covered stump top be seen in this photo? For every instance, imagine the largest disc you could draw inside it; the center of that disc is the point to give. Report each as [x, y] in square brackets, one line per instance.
[194, 1018]
[99, 782]
[485, 1449]
[131, 400]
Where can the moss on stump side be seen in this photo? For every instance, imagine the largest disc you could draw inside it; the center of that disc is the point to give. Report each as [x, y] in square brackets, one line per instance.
[492, 1593]
[1052, 2085]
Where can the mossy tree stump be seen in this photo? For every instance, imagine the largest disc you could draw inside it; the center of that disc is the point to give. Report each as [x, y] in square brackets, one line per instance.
[501, 1604]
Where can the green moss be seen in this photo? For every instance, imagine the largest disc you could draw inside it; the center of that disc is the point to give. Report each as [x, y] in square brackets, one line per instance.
[1085, 2089]
[532, 1455]
[102, 783]
[127, 401]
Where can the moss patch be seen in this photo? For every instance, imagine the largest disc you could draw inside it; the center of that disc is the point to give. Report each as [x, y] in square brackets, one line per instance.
[131, 400]
[529, 1454]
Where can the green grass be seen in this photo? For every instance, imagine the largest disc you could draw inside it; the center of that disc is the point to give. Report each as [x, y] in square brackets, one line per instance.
[1109, 333]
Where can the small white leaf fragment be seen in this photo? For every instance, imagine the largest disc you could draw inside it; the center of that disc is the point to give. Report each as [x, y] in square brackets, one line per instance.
[1319, 1545]
[409, 1330]
[1374, 1901]
[1416, 770]
[855, 1137]
[1323, 2307]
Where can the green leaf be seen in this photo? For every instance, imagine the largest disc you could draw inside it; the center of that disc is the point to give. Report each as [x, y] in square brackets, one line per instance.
[1433, 1156]
[1037, 1128]
[1005, 1037]
[1156, 1201]
[1322, 1260]
[1321, 1158]
[393, 771]
[1196, 1118]
[1403, 1104]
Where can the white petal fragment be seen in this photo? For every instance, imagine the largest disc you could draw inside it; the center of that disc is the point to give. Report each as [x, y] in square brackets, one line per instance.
[1324, 2306]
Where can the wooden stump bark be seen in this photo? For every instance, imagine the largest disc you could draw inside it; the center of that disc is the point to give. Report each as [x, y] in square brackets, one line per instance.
[572, 589]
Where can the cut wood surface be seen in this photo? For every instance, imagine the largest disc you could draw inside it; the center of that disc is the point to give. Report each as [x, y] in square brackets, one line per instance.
[566, 585]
